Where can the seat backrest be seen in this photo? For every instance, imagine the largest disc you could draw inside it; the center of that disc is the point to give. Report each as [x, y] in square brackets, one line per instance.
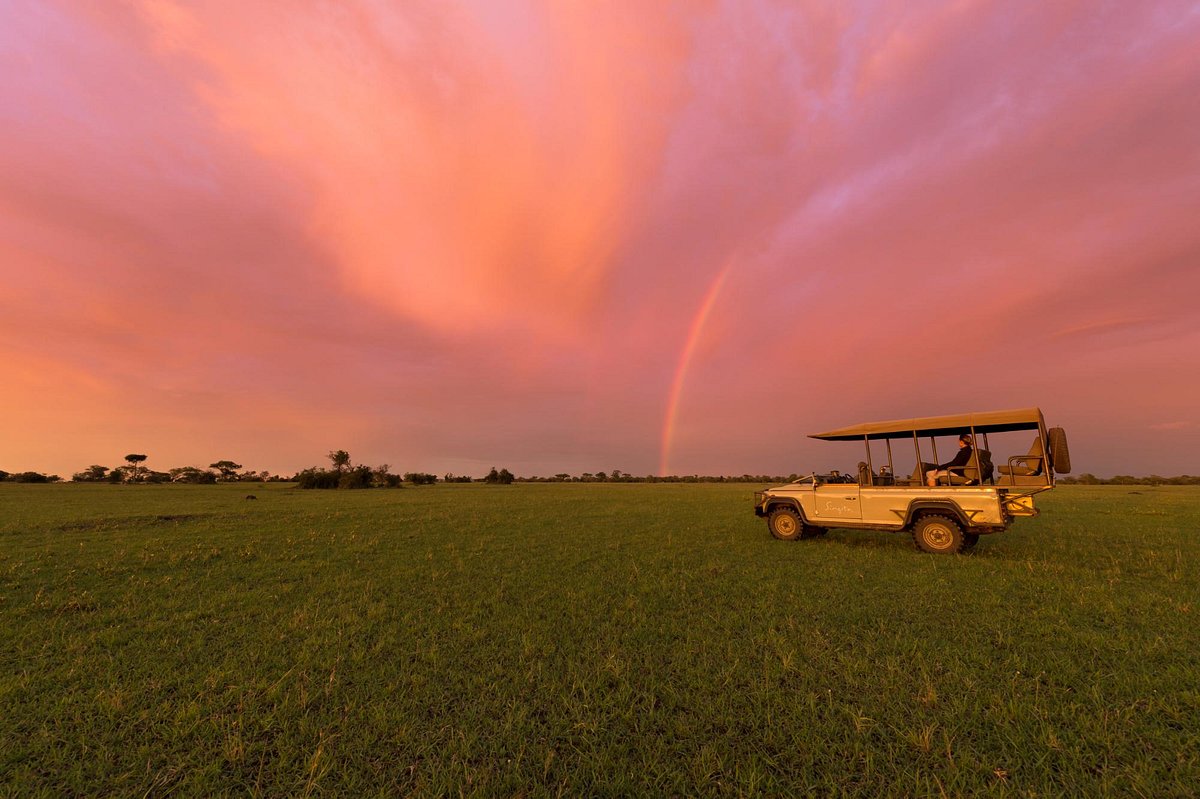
[1036, 460]
[865, 478]
[986, 468]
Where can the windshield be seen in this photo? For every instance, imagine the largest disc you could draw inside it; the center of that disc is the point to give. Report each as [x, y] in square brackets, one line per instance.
[833, 476]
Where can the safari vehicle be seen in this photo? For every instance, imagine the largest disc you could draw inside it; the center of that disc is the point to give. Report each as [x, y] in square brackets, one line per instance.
[966, 502]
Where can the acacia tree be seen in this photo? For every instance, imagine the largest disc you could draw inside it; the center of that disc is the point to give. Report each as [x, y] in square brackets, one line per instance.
[382, 476]
[502, 477]
[228, 469]
[340, 459]
[190, 474]
[93, 474]
[134, 467]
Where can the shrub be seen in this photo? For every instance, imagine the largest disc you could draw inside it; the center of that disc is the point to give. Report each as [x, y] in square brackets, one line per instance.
[502, 477]
[382, 477]
[31, 477]
[190, 474]
[317, 478]
[92, 474]
[358, 477]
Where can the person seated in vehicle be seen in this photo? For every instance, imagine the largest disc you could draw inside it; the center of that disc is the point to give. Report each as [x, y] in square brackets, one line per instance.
[954, 466]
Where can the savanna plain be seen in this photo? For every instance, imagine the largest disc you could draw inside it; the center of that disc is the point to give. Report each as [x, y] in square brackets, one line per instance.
[584, 639]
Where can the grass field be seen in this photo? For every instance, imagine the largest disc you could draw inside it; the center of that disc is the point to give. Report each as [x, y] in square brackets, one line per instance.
[587, 640]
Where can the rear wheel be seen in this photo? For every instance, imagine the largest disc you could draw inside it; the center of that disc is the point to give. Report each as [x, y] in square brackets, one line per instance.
[813, 532]
[969, 541]
[938, 534]
[785, 524]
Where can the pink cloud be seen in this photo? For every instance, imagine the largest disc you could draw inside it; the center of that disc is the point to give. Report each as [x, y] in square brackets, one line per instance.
[434, 176]
[448, 236]
[1172, 427]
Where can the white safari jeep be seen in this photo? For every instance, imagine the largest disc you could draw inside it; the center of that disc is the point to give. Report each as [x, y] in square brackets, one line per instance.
[945, 509]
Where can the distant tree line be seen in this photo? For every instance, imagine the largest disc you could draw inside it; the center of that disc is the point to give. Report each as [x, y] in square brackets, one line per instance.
[617, 476]
[1087, 479]
[224, 471]
[344, 474]
[29, 477]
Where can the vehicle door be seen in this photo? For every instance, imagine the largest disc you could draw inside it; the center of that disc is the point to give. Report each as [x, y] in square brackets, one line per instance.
[836, 502]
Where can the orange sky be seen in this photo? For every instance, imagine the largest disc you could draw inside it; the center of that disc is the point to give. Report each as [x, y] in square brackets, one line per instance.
[569, 237]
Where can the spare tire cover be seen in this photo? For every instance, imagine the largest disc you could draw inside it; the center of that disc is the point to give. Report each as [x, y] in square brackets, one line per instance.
[1060, 456]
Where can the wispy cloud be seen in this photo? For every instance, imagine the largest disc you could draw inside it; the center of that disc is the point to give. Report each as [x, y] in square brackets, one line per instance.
[1176, 427]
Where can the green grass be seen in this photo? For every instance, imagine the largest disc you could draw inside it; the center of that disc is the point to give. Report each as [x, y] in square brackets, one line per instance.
[587, 640]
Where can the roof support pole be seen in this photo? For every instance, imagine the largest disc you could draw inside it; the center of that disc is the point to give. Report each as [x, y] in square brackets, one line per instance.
[917, 447]
[975, 456]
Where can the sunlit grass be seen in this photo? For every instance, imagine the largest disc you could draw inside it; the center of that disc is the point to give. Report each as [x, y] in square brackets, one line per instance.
[586, 639]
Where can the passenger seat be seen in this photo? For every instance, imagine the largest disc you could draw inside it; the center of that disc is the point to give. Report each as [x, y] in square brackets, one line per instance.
[1028, 465]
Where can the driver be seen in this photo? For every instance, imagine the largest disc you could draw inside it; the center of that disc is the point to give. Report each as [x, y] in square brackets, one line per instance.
[962, 458]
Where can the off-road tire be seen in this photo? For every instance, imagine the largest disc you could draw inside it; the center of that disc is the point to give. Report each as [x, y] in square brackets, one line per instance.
[969, 541]
[785, 524]
[938, 535]
[813, 532]
[1060, 456]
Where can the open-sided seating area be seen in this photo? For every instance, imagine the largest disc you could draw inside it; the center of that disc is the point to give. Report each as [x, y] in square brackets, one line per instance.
[1025, 470]
[1047, 455]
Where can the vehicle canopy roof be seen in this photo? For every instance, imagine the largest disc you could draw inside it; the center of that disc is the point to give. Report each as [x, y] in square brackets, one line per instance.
[985, 422]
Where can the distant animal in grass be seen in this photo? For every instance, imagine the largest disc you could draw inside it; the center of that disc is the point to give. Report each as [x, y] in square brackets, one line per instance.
[251, 496]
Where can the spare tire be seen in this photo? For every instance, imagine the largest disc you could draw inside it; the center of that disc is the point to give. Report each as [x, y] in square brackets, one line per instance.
[1060, 456]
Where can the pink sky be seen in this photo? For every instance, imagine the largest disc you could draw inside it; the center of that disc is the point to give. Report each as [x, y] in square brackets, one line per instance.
[569, 237]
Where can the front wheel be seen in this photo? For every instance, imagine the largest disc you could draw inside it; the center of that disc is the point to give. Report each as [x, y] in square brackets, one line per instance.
[785, 524]
[938, 534]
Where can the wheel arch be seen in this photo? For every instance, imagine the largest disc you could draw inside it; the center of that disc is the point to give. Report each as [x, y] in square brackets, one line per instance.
[936, 507]
[791, 503]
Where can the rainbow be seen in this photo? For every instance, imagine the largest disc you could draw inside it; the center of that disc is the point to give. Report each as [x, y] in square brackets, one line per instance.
[685, 359]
